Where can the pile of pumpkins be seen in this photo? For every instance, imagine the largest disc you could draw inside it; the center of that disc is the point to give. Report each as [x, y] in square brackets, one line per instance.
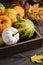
[13, 25]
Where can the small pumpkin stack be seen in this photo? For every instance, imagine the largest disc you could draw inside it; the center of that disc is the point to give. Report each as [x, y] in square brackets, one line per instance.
[13, 26]
[5, 22]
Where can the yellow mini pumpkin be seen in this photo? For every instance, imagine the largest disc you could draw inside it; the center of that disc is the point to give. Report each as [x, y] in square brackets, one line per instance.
[19, 10]
[2, 9]
[5, 22]
[12, 14]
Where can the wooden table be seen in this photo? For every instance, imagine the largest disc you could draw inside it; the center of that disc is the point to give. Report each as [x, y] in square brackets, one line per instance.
[21, 58]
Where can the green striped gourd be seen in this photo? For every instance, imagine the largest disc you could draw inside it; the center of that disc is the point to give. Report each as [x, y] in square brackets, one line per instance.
[25, 27]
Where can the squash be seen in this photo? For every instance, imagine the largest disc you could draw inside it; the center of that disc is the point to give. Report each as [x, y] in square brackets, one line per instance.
[12, 14]
[1, 41]
[5, 22]
[10, 36]
[20, 11]
[26, 28]
[2, 8]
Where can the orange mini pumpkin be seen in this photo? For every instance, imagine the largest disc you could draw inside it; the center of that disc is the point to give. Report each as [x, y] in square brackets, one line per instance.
[19, 10]
[5, 22]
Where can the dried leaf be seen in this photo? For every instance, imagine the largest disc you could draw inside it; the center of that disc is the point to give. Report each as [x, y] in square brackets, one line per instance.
[37, 58]
[34, 8]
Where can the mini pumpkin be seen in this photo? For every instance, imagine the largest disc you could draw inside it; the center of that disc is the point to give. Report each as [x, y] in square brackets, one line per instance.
[5, 22]
[2, 9]
[20, 11]
[11, 13]
[10, 36]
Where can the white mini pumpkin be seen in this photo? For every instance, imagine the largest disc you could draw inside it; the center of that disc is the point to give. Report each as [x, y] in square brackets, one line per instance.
[10, 36]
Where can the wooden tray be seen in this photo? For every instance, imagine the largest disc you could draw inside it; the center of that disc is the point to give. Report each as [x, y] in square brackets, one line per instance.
[21, 46]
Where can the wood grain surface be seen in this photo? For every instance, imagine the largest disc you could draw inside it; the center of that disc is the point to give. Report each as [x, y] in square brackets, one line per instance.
[21, 58]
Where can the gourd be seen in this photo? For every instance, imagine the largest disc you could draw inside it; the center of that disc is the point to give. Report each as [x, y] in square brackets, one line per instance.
[12, 14]
[5, 22]
[20, 11]
[2, 8]
[25, 27]
[1, 41]
[10, 36]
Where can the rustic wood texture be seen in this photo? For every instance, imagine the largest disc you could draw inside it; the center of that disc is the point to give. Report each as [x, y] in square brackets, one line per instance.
[21, 58]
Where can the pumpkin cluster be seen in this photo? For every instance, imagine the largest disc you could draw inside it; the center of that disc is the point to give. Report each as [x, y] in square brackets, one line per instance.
[9, 16]
[13, 25]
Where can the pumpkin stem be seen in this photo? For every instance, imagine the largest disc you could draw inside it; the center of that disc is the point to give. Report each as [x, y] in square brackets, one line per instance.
[14, 34]
[2, 22]
[13, 5]
[18, 16]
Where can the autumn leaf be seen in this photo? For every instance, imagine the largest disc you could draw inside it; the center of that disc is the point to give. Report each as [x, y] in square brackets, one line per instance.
[37, 58]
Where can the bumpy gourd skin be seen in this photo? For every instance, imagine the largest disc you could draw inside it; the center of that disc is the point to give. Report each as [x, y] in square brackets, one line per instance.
[2, 9]
[5, 22]
[11, 13]
[25, 27]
